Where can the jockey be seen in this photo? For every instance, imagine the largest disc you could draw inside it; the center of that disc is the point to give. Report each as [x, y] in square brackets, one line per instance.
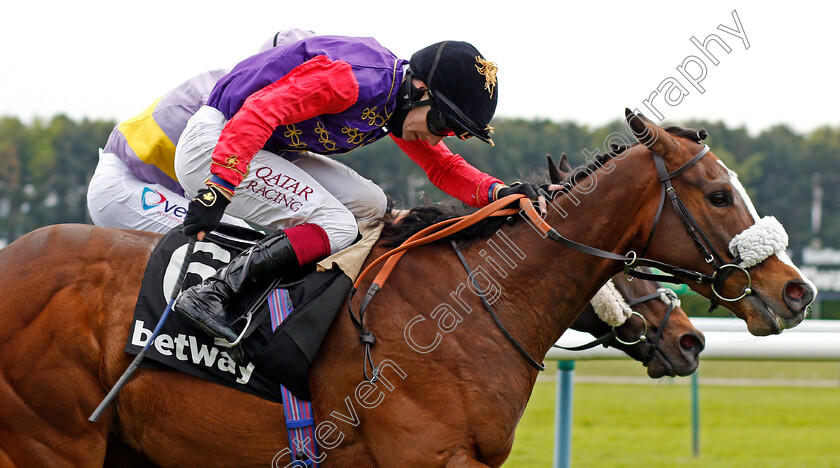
[134, 185]
[247, 151]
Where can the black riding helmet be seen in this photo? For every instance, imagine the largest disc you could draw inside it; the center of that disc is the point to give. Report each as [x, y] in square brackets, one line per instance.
[462, 88]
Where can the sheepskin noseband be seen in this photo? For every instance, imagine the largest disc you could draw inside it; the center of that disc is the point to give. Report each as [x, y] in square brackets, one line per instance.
[759, 242]
[610, 305]
[668, 297]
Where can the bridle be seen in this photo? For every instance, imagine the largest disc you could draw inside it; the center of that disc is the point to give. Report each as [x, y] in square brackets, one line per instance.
[667, 296]
[670, 299]
[722, 269]
[701, 241]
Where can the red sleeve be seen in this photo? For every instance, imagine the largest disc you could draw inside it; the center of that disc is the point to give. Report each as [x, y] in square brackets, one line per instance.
[449, 172]
[317, 86]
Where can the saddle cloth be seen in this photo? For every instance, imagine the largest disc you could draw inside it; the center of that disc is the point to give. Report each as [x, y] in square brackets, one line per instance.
[282, 356]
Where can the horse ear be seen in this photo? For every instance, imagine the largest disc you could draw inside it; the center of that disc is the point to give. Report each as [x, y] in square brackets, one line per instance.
[554, 175]
[564, 165]
[648, 133]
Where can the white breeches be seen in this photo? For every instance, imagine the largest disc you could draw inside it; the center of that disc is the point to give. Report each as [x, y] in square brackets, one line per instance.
[117, 198]
[283, 191]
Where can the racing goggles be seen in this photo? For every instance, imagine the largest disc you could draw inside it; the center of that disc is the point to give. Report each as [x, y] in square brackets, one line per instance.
[445, 119]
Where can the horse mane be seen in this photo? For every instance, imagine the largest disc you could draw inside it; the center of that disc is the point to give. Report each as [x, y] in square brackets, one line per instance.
[582, 172]
[420, 217]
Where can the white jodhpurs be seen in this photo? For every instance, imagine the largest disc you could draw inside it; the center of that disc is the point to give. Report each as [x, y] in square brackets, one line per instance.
[117, 198]
[283, 191]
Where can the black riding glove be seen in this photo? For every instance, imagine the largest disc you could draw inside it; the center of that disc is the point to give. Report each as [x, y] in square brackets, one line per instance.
[529, 190]
[205, 211]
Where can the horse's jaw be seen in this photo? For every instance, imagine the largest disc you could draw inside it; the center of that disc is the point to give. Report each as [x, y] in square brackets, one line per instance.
[658, 368]
[672, 366]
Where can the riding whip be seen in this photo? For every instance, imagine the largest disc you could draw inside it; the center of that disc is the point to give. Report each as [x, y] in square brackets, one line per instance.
[139, 358]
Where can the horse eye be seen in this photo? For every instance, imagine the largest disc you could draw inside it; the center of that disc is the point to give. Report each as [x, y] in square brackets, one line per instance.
[720, 199]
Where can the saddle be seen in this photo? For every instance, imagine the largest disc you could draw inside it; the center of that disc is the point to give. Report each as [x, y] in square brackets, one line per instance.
[276, 357]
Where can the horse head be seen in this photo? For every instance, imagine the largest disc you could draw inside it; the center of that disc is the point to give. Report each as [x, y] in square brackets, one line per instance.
[672, 344]
[661, 336]
[705, 223]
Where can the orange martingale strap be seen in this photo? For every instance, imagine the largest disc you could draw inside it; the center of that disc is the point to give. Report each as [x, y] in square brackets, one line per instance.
[534, 216]
[443, 229]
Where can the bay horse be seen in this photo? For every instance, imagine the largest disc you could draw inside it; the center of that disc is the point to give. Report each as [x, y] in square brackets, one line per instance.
[673, 351]
[68, 293]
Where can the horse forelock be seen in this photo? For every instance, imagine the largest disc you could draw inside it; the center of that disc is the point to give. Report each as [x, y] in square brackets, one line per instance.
[696, 136]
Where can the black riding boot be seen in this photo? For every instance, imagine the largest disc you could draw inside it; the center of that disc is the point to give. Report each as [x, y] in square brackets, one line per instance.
[204, 305]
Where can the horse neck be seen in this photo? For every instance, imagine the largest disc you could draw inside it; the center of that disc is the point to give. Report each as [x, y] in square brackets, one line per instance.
[551, 284]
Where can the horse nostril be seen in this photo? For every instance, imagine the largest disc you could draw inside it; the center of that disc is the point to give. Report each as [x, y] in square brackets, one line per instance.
[794, 291]
[689, 341]
[798, 295]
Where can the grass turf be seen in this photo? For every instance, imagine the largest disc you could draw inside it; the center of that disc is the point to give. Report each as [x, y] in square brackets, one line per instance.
[619, 425]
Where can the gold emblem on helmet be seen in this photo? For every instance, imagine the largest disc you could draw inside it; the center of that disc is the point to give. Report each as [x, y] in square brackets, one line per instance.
[488, 69]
